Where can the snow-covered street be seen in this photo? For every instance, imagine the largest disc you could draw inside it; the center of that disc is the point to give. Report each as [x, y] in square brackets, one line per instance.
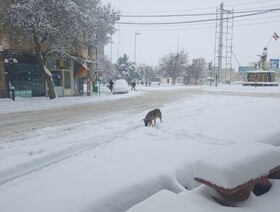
[109, 162]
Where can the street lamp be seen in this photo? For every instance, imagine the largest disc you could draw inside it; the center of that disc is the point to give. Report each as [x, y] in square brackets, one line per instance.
[10, 62]
[135, 34]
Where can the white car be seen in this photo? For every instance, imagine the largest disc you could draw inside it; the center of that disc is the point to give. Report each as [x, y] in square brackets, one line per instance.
[120, 86]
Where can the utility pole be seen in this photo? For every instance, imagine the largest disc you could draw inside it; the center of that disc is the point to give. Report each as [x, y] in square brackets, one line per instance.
[178, 40]
[220, 64]
[119, 40]
[111, 51]
[223, 44]
[221, 41]
[135, 34]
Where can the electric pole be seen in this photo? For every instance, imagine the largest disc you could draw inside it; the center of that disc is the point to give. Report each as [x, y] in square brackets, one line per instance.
[220, 57]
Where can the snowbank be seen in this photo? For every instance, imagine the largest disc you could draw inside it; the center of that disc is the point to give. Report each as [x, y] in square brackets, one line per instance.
[236, 164]
[198, 200]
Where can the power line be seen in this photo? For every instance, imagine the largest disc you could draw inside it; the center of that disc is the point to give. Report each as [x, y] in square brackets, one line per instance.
[195, 28]
[257, 23]
[162, 16]
[130, 14]
[181, 25]
[186, 15]
[201, 26]
[259, 12]
[171, 11]
[268, 16]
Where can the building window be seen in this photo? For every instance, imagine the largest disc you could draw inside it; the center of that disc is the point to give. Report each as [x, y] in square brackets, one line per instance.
[56, 75]
[67, 79]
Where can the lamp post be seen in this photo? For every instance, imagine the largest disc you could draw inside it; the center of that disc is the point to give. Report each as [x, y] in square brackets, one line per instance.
[10, 61]
[3, 87]
[135, 34]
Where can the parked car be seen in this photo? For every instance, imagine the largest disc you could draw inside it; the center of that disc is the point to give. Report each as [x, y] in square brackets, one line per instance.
[120, 87]
[155, 83]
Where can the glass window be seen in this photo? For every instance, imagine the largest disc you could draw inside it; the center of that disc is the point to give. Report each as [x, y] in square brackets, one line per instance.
[56, 75]
[67, 79]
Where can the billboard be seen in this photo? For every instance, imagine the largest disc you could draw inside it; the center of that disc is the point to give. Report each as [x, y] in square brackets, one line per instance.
[244, 69]
[274, 64]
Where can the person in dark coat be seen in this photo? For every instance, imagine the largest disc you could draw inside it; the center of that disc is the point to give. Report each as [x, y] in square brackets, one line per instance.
[111, 84]
[133, 85]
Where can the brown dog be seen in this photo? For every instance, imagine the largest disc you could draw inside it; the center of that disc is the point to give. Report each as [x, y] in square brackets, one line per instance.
[152, 116]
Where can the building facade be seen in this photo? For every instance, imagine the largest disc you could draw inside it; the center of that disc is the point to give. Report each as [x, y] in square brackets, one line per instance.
[19, 68]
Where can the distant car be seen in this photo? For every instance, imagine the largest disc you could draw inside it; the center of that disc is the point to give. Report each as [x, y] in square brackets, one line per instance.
[155, 83]
[120, 87]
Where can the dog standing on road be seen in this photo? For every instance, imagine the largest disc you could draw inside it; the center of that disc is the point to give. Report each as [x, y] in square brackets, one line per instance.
[152, 116]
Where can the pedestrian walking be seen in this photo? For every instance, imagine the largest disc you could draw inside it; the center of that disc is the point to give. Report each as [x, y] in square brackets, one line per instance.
[133, 85]
[111, 84]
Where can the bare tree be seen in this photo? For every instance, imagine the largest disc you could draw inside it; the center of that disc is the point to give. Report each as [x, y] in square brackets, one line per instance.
[197, 68]
[174, 64]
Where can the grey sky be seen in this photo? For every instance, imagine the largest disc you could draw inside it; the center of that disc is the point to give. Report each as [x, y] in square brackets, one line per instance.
[250, 34]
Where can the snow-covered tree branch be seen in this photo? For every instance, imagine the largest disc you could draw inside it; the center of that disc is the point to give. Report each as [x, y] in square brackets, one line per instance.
[174, 64]
[60, 24]
[126, 69]
[197, 68]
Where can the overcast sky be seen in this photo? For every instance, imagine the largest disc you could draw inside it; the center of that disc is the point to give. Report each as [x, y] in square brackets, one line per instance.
[250, 34]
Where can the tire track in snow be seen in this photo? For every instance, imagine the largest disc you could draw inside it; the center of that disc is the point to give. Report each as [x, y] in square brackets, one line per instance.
[53, 158]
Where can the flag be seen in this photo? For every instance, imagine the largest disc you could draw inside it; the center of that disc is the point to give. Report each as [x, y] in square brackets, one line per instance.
[81, 72]
[275, 36]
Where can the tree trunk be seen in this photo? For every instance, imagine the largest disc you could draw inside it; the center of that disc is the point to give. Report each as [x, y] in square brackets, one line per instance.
[173, 80]
[92, 53]
[50, 85]
[47, 76]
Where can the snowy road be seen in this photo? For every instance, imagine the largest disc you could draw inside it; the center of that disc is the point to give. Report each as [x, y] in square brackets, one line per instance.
[15, 126]
[22, 130]
[59, 153]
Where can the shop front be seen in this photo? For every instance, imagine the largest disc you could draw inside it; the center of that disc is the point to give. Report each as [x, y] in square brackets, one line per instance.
[63, 82]
[22, 76]
[62, 75]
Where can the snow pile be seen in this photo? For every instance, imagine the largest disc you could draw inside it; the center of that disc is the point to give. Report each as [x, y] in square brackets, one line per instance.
[236, 164]
[198, 200]
[44, 103]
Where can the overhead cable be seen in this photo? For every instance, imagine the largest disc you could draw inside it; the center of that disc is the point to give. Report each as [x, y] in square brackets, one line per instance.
[259, 12]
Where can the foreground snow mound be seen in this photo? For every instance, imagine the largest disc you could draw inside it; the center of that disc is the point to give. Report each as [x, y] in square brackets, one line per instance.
[199, 200]
[237, 164]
